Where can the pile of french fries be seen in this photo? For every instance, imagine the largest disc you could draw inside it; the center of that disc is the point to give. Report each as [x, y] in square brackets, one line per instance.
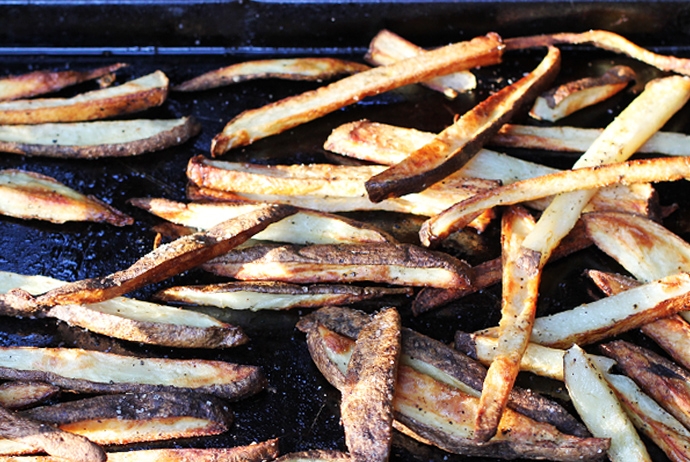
[277, 236]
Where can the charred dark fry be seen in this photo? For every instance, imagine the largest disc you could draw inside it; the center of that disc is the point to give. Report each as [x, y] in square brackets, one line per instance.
[31, 195]
[133, 96]
[20, 394]
[40, 82]
[292, 69]
[454, 146]
[96, 372]
[94, 140]
[40, 437]
[290, 112]
[398, 264]
[167, 260]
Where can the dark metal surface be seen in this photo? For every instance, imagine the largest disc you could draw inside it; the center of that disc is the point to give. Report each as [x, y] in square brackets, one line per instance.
[186, 38]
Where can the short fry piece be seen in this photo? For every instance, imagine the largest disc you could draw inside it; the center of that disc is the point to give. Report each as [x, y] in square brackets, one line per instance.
[30, 195]
[40, 82]
[287, 68]
[134, 96]
[18, 394]
[282, 115]
[599, 409]
[316, 455]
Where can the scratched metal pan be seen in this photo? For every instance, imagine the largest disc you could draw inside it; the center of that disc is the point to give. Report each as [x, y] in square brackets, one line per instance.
[185, 38]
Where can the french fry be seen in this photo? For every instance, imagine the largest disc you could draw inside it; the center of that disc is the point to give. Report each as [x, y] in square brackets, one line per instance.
[40, 82]
[599, 409]
[30, 195]
[89, 371]
[366, 402]
[572, 96]
[315, 455]
[95, 140]
[274, 295]
[167, 260]
[397, 264]
[454, 146]
[318, 69]
[290, 112]
[134, 96]
[21, 394]
[304, 227]
[386, 48]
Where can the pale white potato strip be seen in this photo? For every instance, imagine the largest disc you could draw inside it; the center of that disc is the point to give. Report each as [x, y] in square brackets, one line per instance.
[643, 117]
[626, 173]
[600, 409]
[18, 394]
[98, 372]
[606, 40]
[576, 139]
[304, 227]
[386, 48]
[454, 146]
[290, 112]
[570, 97]
[130, 97]
[520, 289]
[319, 68]
[93, 140]
[30, 195]
[40, 82]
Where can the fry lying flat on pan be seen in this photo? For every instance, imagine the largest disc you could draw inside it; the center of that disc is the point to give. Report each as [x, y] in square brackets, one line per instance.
[40, 82]
[18, 394]
[31, 195]
[93, 140]
[134, 96]
[291, 69]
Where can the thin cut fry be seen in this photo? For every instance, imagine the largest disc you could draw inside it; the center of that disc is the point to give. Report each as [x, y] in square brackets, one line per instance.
[17, 394]
[290, 112]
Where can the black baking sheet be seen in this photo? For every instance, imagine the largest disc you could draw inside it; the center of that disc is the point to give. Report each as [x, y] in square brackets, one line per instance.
[186, 38]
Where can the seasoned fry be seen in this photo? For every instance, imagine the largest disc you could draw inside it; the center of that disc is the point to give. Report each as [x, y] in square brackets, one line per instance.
[316, 455]
[290, 112]
[572, 96]
[287, 68]
[386, 48]
[304, 227]
[398, 264]
[94, 140]
[167, 260]
[20, 394]
[30, 195]
[274, 295]
[97, 372]
[40, 82]
[599, 409]
[134, 96]
[366, 402]
[457, 144]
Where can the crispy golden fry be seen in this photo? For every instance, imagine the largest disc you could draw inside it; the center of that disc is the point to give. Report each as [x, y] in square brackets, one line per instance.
[397, 264]
[168, 260]
[366, 402]
[94, 140]
[572, 96]
[18, 394]
[30, 195]
[96, 372]
[287, 68]
[564, 138]
[447, 420]
[599, 409]
[666, 382]
[41, 82]
[274, 295]
[651, 419]
[290, 112]
[606, 40]
[133, 96]
[457, 144]
[521, 278]
[21, 431]
[304, 227]
[316, 455]
[386, 48]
